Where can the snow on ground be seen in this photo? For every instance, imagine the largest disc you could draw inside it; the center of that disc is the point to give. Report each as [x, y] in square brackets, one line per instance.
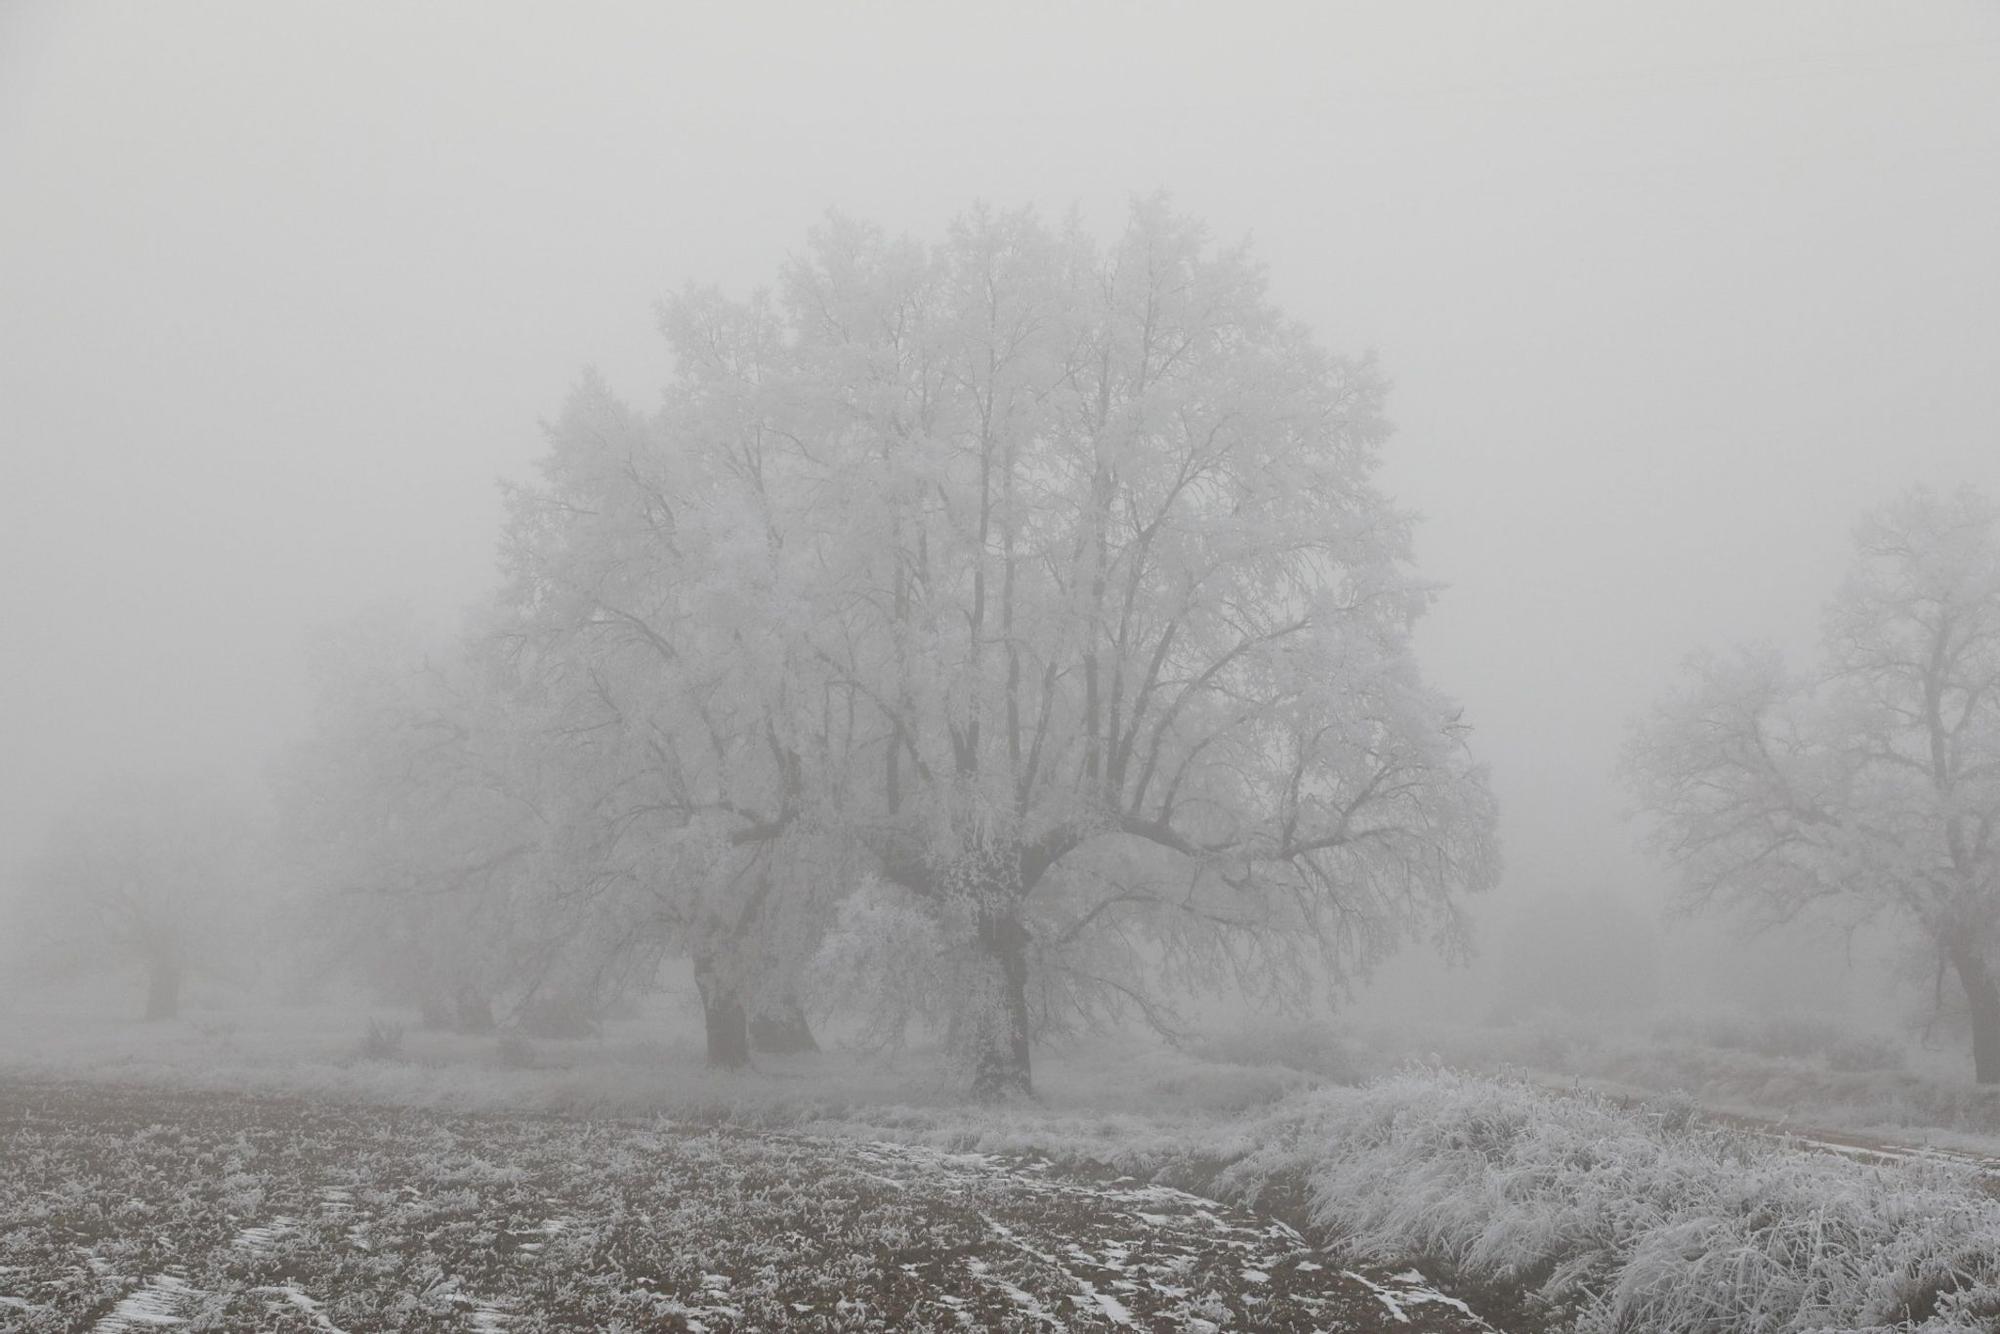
[158, 1301]
[116, 1216]
[292, 1297]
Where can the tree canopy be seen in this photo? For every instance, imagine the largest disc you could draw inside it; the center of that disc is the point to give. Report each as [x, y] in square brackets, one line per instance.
[1036, 591]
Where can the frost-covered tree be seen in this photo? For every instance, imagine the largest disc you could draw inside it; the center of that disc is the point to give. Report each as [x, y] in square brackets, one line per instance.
[658, 847]
[1045, 586]
[415, 807]
[1869, 785]
[641, 631]
[150, 873]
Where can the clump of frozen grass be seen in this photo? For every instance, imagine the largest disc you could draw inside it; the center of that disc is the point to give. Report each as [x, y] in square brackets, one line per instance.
[1617, 1222]
[1675, 1111]
[1807, 1071]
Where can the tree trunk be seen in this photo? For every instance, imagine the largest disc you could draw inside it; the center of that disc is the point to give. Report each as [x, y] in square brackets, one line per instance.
[1982, 1002]
[724, 1018]
[163, 989]
[1001, 1066]
[782, 1029]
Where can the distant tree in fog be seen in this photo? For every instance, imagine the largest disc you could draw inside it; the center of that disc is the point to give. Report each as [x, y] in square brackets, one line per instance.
[1042, 588]
[148, 874]
[1870, 785]
[412, 808]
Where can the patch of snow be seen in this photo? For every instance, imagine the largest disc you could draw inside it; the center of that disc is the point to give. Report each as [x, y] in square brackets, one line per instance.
[488, 1318]
[1026, 1300]
[1114, 1310]
[1418, 1292]
[306, 1304]
[548, 1228]
[1013, 1239]
[1382, 1295]
[263, 1236]
[152, 1305]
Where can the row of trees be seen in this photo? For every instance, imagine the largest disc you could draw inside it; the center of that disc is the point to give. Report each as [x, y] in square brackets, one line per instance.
[1005, 633]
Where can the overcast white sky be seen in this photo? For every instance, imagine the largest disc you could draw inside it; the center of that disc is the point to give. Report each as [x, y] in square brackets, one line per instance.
[1669, 295]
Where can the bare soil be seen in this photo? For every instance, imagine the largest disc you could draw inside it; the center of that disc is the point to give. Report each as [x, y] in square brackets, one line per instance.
[124, 1208]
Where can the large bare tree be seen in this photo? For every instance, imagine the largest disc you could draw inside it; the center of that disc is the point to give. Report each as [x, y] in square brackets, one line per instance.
[1045, 583]
[1869, 785]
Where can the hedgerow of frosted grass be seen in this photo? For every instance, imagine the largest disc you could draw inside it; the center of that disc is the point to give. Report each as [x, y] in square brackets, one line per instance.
[1620, 1223]
[1799, 1070]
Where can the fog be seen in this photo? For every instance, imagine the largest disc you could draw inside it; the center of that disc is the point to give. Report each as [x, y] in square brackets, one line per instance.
[908, 666]
[1668, 298]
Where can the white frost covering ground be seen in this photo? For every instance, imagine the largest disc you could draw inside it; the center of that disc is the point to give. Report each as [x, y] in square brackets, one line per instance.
[157, 1303]
[1261, 1245]
[1412, 1289]
[264, 1237]
[300, 1301]
[1142, 1243]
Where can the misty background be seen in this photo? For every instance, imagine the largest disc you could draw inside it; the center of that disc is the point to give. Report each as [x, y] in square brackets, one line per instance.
[1668, 297]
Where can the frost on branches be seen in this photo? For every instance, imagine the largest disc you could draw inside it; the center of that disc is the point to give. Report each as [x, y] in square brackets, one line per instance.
[1870, 787]
[1041, 586]
[417, 807]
